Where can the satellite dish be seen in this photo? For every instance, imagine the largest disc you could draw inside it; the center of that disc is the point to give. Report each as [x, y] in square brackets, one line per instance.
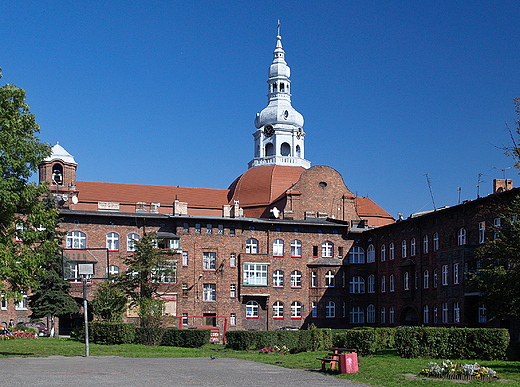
[65, 197]
[74, 200]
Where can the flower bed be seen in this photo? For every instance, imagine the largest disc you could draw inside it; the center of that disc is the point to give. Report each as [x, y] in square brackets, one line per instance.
[282, 351]
[451, 370]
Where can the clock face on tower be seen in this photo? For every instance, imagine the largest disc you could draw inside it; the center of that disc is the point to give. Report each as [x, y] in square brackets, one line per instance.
[268, 131]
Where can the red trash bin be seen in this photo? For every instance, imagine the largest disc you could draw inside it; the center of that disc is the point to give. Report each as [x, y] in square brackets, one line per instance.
[348, 363]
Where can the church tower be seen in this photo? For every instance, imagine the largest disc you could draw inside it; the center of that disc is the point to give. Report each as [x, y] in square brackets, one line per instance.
[279, 138]
[59, 170]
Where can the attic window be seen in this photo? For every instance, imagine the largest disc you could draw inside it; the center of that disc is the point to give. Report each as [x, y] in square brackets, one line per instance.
[323, 184]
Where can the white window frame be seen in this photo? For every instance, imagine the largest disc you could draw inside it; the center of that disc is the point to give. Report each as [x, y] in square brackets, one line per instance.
[22, 304]
[185, 258]
[403, 249]
[357, 315]
[371, 254]
[371, 283]
[391, 318]
[391, 255]
[481, 232]
[278, 309]
[461, 237]
[278, 248]
[383, 253]
[330, 309]
[220, 229]
[371, 314]
[184, 319]
[444, 275]
[435, 241]
[112, 239]
[233, 319]
[383, 284]
[296, 310]
[296, 248]
[356, 255]
[426, 245]
[456, 275]
[130, 242]
[392, 283]
[314, 313]
[232, 291]
[76, 240]
[327, 249]
[209, 292]
[445, 313]
[252, 246]
[197, 228]
[166, 273]
[456, 312]
[209, 229]
[233, 260]
[329, 279]
[435, 279]
[314, 279]
[482, 314]
[255, 274]
[252, 309]
[357, 285]
[296, 279]
[412, 247]
[383, 315]
[209, 260]
[426, 279]
[278, 279]
[113, 270]
[426, 314]
[3, 302]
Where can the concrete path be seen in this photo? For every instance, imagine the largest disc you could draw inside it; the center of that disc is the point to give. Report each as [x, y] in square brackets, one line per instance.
[122, 371]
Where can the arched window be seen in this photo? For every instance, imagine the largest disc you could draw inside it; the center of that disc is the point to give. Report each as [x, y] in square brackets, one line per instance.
[285, 149]
[330, 309]
[392, 283]
[406, 281]
[327, 249]
[425, 244]
[461, 237]
[383, 315]
[314, 309]
[392, 254]
[130, 242]
[435, 278]
[371, 254]
[278, 279]
[383, 284]
[252, 309]
[76, 240]
[403, 249]
[298, 151]
[435, 242]
[391, 318]
[329, 279]
[357, 285]
[296, 279]
[269, 149]
[278, 309]
[314, 279]
[252, 246]
[296, 309]
[371, 283]
[412, 247]
[383, 253]
[357, 315]
[356, 255]
[113, 241]
[296, 248]
[371, 314]
[426, 279]
[278, 248]
[426, 314]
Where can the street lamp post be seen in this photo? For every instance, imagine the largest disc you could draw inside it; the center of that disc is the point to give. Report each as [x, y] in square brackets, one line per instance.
[85, 270]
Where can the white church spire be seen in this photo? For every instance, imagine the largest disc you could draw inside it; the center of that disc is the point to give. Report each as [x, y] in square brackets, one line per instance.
[279, 138]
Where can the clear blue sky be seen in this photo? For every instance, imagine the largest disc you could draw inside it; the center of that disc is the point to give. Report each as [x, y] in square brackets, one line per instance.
[165, 92]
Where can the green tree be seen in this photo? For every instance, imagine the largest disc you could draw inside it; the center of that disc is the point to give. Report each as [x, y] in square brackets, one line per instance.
[148, 270]
[25, 243]
[109, 301]
[498, 267]
[514, 149]
[51, 296]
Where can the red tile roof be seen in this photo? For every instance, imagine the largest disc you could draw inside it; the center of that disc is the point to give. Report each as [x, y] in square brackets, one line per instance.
[367, 209]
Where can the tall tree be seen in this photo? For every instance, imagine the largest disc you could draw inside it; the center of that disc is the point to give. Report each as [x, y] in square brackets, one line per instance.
[51, 296]
[498, 267]
[514, 149]
[148, 270]
[24, 219]
[109, 301]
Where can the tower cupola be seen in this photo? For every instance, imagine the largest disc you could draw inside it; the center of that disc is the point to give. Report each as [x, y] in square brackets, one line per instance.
[279, 138]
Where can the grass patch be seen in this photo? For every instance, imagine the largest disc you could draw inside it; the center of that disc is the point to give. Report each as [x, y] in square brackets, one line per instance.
[385, 368]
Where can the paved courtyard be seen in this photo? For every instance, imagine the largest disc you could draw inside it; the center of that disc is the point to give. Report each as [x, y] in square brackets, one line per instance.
[121, 371]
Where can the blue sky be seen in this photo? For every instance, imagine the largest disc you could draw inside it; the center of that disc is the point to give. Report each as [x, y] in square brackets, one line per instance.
[165, 92]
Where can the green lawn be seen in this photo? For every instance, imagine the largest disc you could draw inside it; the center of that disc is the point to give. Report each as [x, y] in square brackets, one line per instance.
[386, 368]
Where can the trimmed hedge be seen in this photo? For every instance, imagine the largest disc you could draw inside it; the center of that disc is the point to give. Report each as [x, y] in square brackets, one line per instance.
[149, 336]
[452, 343]
[295, 341]
[111, 333]
[189, 338]
[366, 340]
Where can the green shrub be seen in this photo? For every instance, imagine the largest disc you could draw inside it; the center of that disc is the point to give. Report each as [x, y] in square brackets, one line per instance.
[452, 343]
[366, 340]
[149, 336]
[111, 333]
[189, 338]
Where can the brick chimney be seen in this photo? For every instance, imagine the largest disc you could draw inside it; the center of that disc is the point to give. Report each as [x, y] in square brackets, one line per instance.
[501, 185]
